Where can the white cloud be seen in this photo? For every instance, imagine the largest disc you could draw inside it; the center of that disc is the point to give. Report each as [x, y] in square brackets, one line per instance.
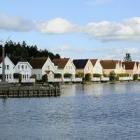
[11, 23]
[113, 31]
[128, 30]
[56, 26]
[104, 31]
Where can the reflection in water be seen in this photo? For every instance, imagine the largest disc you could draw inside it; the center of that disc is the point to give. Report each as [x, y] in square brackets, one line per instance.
[83, 112]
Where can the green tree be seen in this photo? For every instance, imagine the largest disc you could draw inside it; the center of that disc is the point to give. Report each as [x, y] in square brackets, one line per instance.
[45, 78]
[87, 77]
[113, 76]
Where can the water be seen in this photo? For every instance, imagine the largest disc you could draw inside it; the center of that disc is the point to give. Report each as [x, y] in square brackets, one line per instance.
[90, 112]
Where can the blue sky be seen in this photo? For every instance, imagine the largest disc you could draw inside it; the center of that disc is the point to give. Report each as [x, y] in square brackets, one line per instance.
[75, 28]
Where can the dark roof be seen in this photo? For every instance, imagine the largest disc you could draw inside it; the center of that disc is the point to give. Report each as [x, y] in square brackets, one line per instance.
[15, 60]
[37, 63]
[109, 64]
[129, 65]
[93, 61]
[80, 63]
[60, 62]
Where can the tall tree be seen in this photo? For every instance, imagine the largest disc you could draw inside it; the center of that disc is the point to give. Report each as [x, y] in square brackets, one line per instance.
[127, 57]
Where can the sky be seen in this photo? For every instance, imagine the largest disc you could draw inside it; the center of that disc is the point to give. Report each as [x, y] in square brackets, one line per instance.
[103, 29]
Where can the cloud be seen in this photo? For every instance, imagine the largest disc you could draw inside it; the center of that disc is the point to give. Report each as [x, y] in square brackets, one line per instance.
[113, 31]
[56, 26]
[12, 23]
[105, 31]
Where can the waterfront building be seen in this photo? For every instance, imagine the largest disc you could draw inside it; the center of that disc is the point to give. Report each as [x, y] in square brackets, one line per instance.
[83, 66]
[132, 67]
[42, 66]
[112, 66]
[97, 68]
[9, 69]
[23, 68]
[65, 69]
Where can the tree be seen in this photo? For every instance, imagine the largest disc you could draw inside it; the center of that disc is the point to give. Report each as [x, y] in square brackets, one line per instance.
[22, 50]
[128, 57]
[113, 76]
[87, 77]
[45, 78]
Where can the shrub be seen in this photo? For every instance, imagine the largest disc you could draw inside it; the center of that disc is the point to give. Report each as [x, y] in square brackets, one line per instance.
[18, 76]
[105, 75]
[45, 78]
[33, 76]
[123, 75]
[96, 75]
[67, 75]
[79, 75]
[57, 75]
[113, 76]
[87, 77]
[135, 77]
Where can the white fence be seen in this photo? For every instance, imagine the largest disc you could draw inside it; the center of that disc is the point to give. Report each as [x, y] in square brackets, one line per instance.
[32, 80]
[96, 79]
[104, 79]
[125, 78]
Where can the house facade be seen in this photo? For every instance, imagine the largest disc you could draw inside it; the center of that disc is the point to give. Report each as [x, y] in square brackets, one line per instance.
[25, 69]
[9, 69]
[66, 68]
[42, 66]
[132, 67]
[97, 68]
[83, 66]
[112, 66]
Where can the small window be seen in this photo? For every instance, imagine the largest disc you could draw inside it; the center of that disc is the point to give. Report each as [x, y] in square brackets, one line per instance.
[7, 67]
[22, 66]
[18, 66]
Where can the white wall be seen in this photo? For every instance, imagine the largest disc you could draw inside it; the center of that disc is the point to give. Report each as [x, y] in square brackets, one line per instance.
[97, 69]
[9, 69]
[25, 69]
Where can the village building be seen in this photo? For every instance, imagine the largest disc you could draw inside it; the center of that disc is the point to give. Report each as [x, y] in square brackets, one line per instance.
[42, 66]
[112, 66]
[23, 68]
[65, 68]
[9, 69]
[83, 66]
[97, 68]
[132, 67]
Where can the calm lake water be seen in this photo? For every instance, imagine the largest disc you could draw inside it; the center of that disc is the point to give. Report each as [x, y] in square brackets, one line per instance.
[90, 112]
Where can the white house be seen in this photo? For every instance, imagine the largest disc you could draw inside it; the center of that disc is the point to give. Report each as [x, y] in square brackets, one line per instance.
[112, 66]
[24, 68]
[66, 68]
[97, 68]
[9, 69]
[83, 66]
[42, 66]
[132, 67]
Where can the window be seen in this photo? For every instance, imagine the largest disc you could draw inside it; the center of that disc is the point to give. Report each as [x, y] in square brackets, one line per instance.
[26, 66]
[7, 67]
[22, 66]
[18, 66]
